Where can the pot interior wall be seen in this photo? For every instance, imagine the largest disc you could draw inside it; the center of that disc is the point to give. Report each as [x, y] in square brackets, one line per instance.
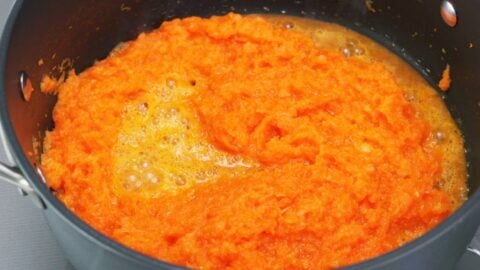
[63, 32]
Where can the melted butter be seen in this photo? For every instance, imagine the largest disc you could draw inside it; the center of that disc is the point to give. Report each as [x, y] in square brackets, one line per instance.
[445, 135]
[161, 147]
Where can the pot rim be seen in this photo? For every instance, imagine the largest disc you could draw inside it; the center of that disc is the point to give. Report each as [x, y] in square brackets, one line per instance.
[468, 208]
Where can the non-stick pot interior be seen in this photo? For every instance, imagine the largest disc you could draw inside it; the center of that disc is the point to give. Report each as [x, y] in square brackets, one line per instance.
[76, 33]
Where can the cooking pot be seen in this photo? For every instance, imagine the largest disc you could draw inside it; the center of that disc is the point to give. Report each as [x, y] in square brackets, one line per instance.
[48, 37]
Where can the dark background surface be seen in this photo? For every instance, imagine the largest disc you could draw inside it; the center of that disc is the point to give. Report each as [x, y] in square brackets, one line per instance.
[27, 243]
[25, 239]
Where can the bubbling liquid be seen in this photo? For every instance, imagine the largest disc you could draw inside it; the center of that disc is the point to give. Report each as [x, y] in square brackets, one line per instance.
[161, 147]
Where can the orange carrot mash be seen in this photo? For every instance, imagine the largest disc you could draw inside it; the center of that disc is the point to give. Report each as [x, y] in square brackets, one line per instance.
[340, 168]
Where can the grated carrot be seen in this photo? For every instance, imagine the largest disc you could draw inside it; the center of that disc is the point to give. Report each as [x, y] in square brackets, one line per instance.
[445, 82]
[345, 173]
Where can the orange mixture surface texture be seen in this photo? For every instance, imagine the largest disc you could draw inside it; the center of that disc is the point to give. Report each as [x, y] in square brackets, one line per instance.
[340, 168]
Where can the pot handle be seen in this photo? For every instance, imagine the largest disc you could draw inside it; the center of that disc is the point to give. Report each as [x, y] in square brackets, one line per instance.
[12, 175]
